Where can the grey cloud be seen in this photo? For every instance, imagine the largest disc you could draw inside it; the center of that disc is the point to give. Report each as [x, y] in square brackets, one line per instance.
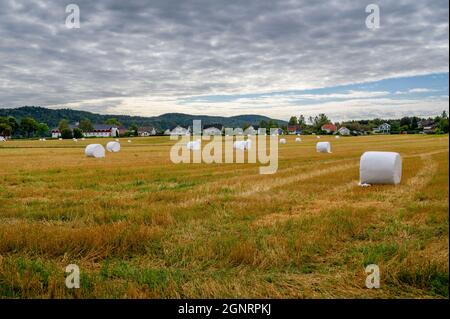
[197, 47]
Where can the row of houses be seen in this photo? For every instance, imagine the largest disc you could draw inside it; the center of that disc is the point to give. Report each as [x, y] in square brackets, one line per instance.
[331, 128]
[427, 126]
[213, 129]
[105, 130]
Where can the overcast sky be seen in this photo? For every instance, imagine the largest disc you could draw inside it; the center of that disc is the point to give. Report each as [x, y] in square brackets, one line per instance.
[275, 58]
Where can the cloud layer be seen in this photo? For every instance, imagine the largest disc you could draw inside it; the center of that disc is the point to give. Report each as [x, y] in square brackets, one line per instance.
[147, 57]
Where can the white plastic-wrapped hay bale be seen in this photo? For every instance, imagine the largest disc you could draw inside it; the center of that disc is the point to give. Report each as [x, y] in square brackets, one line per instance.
[2, 139]
[298, 139]
[75, 140]
[117, 139]
[113, 147]
[95, 150]
[318, 136]
[380, 168]
[194, 145]
[129, 141]
[337, 137]
[59, 139]
[82, 138]
[240, 145]
[323, 147]
[248, 144]
[282, 141]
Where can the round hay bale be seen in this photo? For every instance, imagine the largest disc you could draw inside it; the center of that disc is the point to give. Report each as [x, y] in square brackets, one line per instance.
[298, 139]
[380, 168]
[318, 136]
[337, 137]
[94, 150]
[75, 140]
[240, 145]
[129, 141]
[323, 147]
[194, 145]
[248, 144]
[282, 141]
[113, 147]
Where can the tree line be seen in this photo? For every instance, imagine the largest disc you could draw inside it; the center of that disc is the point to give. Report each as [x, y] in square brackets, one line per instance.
[28, 127]
[405, 124]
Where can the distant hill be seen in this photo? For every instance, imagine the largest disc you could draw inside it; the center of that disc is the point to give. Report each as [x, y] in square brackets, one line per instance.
[163, 122]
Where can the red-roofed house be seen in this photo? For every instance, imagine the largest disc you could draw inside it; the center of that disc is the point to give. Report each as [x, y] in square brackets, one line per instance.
[293, 129]
[329, 128]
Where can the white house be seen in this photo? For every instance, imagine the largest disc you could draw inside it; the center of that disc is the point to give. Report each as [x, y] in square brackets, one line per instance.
[102, 130]
[146, 131]
[212, 130]
[384, 128]
[56, 133]
[250, 131]
[343, 131]
[178, 130]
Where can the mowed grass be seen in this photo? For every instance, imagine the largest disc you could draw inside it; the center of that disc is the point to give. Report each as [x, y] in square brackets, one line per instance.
[140, 226]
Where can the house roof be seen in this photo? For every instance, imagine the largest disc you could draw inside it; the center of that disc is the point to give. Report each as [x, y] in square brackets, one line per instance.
[217, 126]
[145, 129]
[102, 127]
[212, 128]
[329, 126]
[179, 128]
[293, 127]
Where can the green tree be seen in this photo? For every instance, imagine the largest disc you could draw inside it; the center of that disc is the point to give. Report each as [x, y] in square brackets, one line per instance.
[42, 129]
[263, 124]
[293, 120]
[319, 121]
[404, 128]
[395, 126]
[133, 129]
[302, 121]
[414, 123]
[405, 122]
[443, 125]
[77, 133]
[86, 125]
[28, 125]
[13, 124]
[5, 129]
[66, 133]
[113, 121]
[63, 125]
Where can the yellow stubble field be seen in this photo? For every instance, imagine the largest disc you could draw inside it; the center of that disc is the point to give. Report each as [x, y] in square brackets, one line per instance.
[139, 226]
